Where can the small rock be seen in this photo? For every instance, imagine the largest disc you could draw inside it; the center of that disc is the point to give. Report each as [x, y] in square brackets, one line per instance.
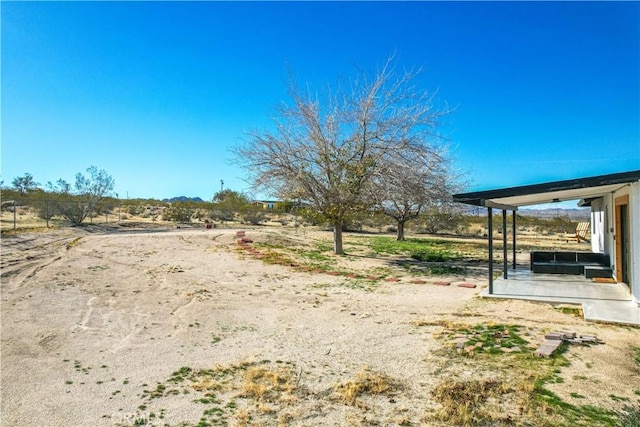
[461, 343]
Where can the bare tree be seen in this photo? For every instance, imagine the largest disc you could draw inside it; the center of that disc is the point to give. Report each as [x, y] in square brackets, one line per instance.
[76, 203]
[410, 181]
[24, 184]
[327, 147]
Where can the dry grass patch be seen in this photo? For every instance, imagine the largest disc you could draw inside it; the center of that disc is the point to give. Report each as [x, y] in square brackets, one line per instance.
[471, 402]
[74, 242]
[509, 381]
[365, 383]
[266, 384]
[247, 393]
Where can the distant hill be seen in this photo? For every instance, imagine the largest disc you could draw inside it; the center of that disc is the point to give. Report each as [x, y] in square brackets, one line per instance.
[573, 214]
[183, 199]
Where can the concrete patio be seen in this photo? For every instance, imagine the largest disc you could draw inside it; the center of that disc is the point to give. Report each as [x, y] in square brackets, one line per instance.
[601, 302]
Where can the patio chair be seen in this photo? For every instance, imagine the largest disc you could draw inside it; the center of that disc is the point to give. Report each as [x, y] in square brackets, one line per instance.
[583, 231]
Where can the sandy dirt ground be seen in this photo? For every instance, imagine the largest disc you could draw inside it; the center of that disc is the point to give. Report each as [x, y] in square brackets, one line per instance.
[150, 327]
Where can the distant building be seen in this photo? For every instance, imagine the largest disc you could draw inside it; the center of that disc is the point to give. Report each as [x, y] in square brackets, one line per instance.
[277, 205]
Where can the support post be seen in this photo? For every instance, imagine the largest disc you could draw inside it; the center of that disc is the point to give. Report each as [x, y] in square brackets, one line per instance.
[505, 252]
[490, 233]
[14, 215]
[514, 240]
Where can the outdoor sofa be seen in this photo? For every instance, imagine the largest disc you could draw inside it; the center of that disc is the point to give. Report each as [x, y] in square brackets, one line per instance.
[568, 262]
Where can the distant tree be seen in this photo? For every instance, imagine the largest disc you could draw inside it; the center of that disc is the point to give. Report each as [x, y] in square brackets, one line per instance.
[24, 184]
[76, 202]
[228, 203]
[407, 184]
[328, 147]
[441, 216]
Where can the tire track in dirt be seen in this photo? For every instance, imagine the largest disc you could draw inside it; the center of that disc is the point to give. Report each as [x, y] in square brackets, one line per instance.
[22, 261]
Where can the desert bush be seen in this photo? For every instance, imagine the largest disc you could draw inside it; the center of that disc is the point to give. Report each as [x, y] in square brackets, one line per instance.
[179, 212]
[135, 210]
[253, 217]
[77, 202]
[435, 221]
[629, 415]
[45, 209]
[377, 220]
[431, 255]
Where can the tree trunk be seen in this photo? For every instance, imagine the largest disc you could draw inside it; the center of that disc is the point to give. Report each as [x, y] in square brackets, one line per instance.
[400, 230]
[337, 238]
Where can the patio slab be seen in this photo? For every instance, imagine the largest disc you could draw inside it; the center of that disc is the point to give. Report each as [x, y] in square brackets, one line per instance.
[601, 302]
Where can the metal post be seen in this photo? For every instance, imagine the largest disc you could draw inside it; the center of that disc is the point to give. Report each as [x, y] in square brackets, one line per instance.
[490, 232]
[505, 253]
[14, 215]
[514, 240]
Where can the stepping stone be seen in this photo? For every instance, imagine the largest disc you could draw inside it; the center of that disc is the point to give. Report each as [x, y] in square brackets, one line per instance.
[442, 283]
[333, 273]
[418, 282]
[391, 279]
[554, 336]
[466, 285]
[548, 347]
[372, 277]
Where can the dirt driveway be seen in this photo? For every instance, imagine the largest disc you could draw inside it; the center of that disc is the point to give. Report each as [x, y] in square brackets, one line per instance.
[180, 328]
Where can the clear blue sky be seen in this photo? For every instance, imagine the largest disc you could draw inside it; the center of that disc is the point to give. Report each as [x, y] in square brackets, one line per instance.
[157, 92]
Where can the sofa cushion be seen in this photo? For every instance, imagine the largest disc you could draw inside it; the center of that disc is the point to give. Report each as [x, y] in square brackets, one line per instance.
[542, 256]
[590, 258]
[566, 257]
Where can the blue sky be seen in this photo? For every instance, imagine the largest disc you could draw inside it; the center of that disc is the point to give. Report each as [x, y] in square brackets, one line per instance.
[157, 92]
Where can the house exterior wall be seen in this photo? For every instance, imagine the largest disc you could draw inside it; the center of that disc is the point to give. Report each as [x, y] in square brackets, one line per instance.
[598, 231]
[604, 231]
[606, 205]
[634, 223]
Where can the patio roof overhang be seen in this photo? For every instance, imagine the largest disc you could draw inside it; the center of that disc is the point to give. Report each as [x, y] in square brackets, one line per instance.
[586, 189]
[583, 188]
